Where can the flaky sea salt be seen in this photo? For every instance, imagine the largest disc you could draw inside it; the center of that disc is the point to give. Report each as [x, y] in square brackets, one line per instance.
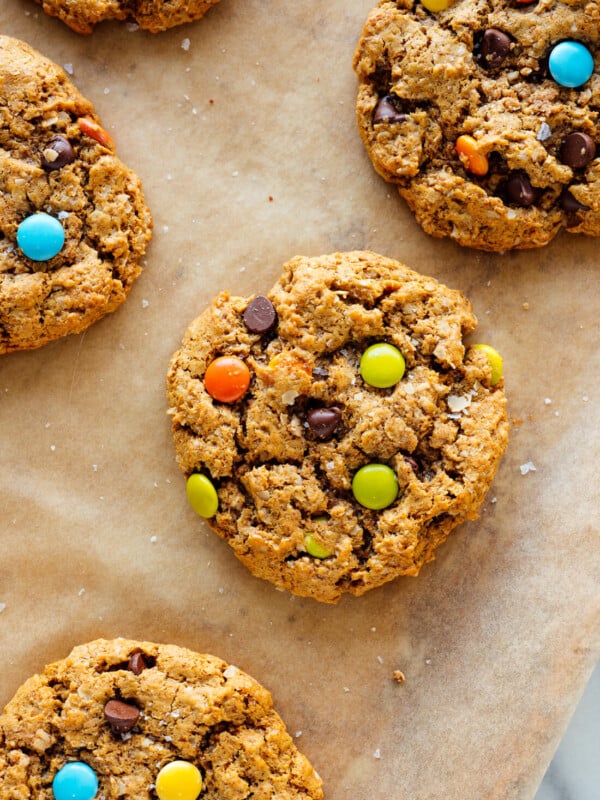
[2, 607]
[544, 132]
[185, 45]
[377, 753]
[528, 467]
[458, 403]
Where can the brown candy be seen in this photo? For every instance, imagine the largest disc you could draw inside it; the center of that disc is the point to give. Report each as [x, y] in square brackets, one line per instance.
[495, 46]
[577, 150]
[121, 717]
[57, 154]
[386, 111]
[518, 190]
[260, 315]
[137, 663]
[324, 421]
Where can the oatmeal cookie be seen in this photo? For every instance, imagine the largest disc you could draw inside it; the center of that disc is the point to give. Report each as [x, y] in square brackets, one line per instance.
[485, 114]
[141, 720]
[73, 220]
[336, 431]
[151, 15]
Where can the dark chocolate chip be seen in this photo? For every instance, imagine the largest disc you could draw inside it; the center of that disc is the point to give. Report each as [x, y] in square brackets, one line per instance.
[121, 717]
[386, 111]
[412, 463]
[57, 154]
[324, 421]
[260, 315]
[570, 204]
[495, 46]
[518, 190]
[577, 150]
[137, 662]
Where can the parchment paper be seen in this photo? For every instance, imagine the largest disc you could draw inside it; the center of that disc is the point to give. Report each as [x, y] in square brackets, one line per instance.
[247, 146]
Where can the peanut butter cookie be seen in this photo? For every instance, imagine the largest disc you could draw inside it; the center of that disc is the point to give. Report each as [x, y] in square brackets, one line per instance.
[73, 220]
[485, 114]
[337, 430]
[124, 719]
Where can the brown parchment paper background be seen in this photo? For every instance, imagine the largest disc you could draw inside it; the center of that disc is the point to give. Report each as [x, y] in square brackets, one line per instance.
[498, 636]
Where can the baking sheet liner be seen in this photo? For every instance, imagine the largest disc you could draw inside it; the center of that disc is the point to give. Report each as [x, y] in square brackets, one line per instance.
[242, 129]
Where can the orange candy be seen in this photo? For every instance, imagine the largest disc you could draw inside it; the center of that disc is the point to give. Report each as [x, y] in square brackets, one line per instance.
[94, 131]
[472, 159]
[227, 379]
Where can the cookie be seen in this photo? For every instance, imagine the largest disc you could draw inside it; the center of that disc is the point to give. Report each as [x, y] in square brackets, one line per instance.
[337, 430]
[73, 220]
[485, 115]
[125, 719]
[151, 15]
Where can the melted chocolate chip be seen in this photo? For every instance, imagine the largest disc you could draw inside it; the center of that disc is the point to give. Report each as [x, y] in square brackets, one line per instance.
[260, 315]
[518, 190]
[57, 154]
[495, 46]
[137, 662]
[570, 204]
[386, 110]
[121, 717]
[324, 421]
[577, 150]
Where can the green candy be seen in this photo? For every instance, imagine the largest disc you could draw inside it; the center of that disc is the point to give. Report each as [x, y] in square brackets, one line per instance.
[375, 486]
[382, 365]
[495, 361]
[313, 548]
[202, 495]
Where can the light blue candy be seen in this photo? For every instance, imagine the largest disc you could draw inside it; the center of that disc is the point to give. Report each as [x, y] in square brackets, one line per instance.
[40, 237]
[571, 64]
[75, 781]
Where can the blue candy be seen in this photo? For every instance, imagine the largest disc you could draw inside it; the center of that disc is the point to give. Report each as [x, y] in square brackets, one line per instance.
[75, 781]
[40, 237]
[571, 64]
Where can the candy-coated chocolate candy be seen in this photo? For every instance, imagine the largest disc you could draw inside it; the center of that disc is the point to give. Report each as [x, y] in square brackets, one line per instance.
[471, 158]
[227, 379]
[75, 781]
[95, 131]
[435, 5]
[179, 780]
[382, 365]
[495, 360]
[571, 64]
[313, 548]
[202, 495]
[40, 237]
[375, 486]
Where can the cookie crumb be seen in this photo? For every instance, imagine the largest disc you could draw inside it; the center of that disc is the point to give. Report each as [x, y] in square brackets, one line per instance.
[398, 676]
[525, 306]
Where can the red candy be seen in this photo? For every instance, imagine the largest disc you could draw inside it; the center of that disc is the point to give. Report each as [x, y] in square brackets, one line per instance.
[227, 379]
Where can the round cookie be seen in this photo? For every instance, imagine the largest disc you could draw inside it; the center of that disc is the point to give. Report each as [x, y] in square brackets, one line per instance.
[60, 179]
[277, 467]
[151, 15]
[466, 111]
[126, 710]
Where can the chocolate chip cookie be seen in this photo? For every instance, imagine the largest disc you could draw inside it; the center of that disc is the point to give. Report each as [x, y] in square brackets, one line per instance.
[124, 719]
[485, 114]
[151, 15]
[335, 431]
[73, 220]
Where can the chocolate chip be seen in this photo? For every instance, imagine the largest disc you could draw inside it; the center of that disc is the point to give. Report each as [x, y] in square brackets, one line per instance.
[570, 204]
[260, 315]
[577, 150]
[518, 189]
[324, 421]
[121, 717]
[57, 154]
[495, 46]
[137, 662]
[386, 110]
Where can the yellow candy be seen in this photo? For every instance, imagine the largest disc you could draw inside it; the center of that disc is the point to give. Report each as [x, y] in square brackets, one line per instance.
[314, 548]
[179, 780]
[435, 5]
[202, 495]
[495, 359]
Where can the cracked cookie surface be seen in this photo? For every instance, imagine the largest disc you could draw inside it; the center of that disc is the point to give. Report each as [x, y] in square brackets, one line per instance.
[151, 15]
[56, 158]
[480, 69]
[283, 479]
[184, 706]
